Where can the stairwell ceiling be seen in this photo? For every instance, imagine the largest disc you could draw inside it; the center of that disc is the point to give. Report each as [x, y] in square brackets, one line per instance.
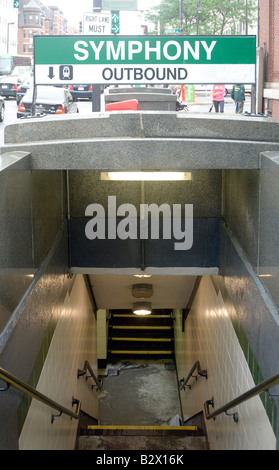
[114, 291]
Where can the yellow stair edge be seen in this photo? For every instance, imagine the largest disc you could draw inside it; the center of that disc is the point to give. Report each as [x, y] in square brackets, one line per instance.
[115, 351]
[141, 327]
[143, 428]
[120, 315]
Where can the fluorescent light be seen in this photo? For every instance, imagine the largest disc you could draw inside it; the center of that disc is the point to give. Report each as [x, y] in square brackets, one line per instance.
[145, 176]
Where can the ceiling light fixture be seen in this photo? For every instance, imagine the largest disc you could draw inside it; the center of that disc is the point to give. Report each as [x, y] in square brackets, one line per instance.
[142, 308]
[142, 291]
[145, 176]
[141, 276]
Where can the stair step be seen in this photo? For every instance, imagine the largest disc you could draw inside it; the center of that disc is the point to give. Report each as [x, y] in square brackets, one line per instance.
[147, 352]
[140, 327]
[110, 430]
[136, 339]
[144, 345]
[127, 315]
[131, 336]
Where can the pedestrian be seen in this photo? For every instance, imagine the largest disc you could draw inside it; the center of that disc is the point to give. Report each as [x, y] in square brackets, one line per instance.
[238, 95]
[218, 97]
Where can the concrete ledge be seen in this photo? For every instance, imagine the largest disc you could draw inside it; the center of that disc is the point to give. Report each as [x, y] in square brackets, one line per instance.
[143, 124]
[144, 140]
[145, 154]
[270, 160]
[15, 161]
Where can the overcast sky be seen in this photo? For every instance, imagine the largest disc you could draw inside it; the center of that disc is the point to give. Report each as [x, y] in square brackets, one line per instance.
[74, 10]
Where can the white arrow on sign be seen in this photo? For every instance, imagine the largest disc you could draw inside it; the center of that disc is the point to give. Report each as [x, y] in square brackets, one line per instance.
[115, 29]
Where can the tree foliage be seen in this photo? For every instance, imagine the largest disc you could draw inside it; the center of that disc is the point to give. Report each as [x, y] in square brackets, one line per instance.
[215, 18]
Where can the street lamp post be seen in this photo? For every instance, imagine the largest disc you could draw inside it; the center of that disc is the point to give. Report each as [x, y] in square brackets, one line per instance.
[199, 10]
[181, 15]
[246, 14]
[8, 36]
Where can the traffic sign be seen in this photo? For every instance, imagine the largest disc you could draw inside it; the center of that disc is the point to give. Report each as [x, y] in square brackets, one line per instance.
[106, 60]
[116, 5]
[115, 22]
[97, 23]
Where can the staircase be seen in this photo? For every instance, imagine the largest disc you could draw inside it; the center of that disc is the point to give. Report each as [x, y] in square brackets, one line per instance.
[137, 402]
[150, 438]
[131, 336]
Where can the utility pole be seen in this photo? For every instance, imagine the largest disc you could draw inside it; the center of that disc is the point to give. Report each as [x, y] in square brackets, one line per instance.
[246, 17]
[199, 10]
[96, 89]
[181, 15]
[97, 6]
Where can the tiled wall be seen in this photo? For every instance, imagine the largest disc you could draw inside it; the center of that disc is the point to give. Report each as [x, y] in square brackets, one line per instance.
[211, 338]
[73, 341]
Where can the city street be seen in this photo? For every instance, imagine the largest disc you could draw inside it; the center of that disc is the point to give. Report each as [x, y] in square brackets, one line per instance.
[201, 105]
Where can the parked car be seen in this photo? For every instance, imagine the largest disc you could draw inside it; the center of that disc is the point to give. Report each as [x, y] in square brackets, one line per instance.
[81, 91]
[22, 89]
[2, 109]
[50, 100]
[8, 85]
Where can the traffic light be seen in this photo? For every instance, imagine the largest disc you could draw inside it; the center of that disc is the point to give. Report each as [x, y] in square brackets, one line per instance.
[80, 26]
[16, 3]
[144, 29]
[115, 23]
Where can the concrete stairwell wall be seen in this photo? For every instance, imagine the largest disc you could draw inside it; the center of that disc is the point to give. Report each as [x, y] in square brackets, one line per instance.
[212, 337]
[46, 317]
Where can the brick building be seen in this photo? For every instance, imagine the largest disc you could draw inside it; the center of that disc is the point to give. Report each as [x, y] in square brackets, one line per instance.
[37, 19]
[269, 41]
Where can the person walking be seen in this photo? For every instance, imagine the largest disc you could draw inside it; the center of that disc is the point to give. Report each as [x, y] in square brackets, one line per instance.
[238, 95]
[218, 97]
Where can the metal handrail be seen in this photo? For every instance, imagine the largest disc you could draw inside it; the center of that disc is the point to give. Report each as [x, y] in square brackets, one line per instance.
[87, 367]
[33, 393]
[184, 382]
[266, 384]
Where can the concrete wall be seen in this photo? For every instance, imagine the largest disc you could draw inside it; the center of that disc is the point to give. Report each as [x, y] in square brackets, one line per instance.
[211, 337]
[41, 308]
[251, 210]
[203, 192]
[74, 341]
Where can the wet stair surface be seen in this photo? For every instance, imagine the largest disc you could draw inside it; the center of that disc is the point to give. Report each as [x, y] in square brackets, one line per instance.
[139, 409]
[132, 337]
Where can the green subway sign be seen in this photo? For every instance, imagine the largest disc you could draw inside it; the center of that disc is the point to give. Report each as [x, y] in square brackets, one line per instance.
[144, 59]
[123, 5]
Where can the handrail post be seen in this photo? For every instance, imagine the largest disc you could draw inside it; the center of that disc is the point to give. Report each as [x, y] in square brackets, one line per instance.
[82, 372]
[202, 373]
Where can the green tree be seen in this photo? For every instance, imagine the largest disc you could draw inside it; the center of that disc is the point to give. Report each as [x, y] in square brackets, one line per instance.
[215, 16]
